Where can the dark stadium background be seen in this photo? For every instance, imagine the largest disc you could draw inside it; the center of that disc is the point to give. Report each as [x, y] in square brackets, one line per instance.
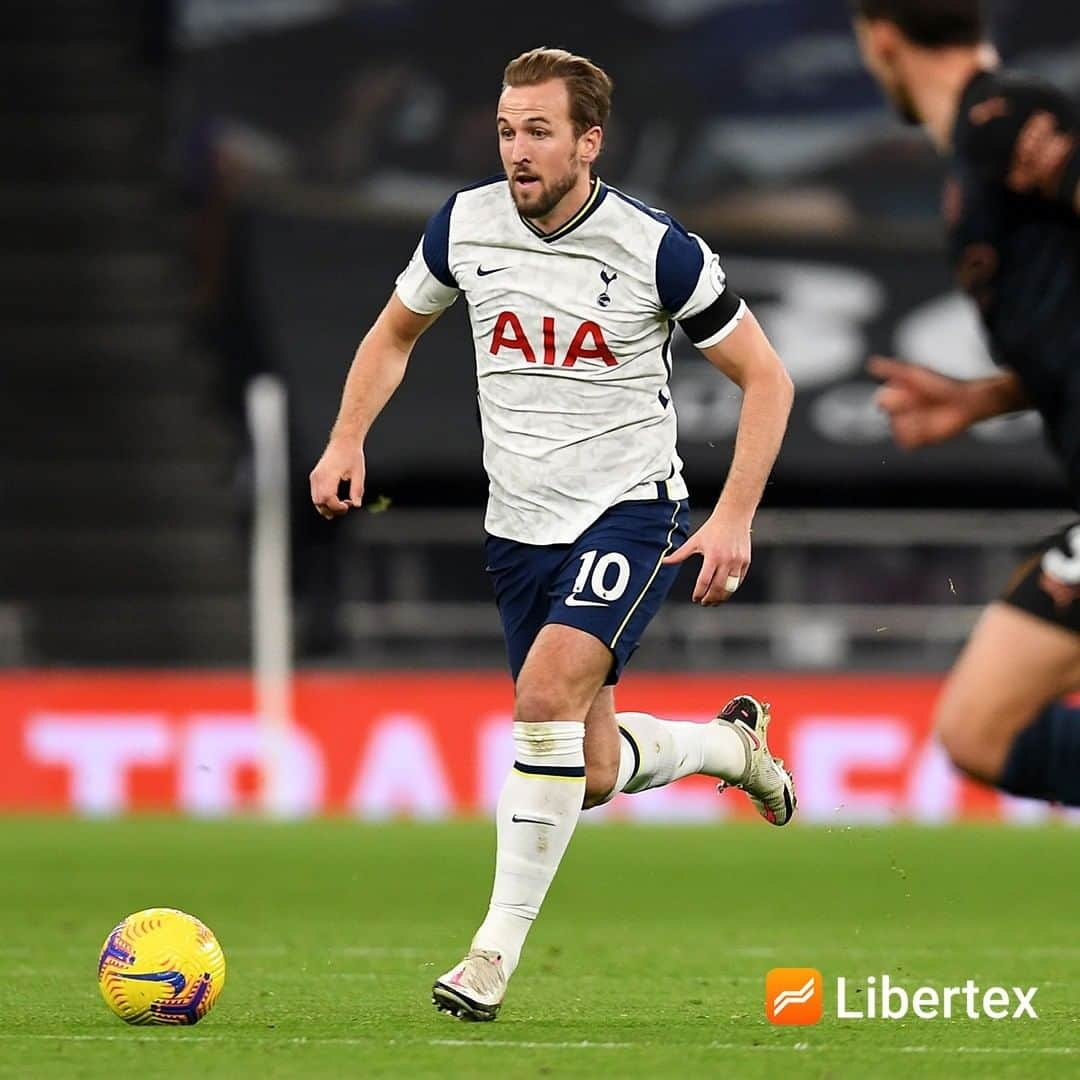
[202, 191]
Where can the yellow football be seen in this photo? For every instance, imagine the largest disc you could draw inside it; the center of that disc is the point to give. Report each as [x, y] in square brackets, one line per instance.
[161, 966]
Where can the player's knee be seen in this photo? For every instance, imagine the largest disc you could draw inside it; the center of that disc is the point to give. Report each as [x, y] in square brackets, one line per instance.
[539, 704]
[967, 740]
[960, 748]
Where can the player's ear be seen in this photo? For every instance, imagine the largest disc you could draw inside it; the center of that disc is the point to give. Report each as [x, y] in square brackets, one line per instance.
[590, 143]
[876, 40]
[884, 39]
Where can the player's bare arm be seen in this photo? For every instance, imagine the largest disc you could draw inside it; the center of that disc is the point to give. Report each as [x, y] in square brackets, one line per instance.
[925, 407]
[376, 372]
[746, 357]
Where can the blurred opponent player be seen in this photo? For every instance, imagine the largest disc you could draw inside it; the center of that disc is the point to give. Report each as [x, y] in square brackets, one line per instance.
[573, 290]
[1013, 210]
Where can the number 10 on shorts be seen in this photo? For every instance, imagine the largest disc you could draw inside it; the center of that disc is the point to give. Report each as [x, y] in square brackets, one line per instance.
[607, 576]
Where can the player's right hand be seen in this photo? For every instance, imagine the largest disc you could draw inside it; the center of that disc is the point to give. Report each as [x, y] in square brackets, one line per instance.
[337, 465]
[923, 406]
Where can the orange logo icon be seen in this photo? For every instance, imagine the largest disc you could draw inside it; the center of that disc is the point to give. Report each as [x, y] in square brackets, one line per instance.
[793, 996]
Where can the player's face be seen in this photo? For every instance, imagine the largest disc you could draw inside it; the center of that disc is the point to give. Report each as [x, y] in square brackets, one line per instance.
[879, 45]
[542, 156]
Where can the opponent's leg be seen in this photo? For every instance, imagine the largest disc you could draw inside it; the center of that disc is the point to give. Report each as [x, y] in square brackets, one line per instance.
[999, 717]
[537, 812]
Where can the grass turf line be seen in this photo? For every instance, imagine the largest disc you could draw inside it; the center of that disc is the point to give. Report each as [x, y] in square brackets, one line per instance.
[649, 958]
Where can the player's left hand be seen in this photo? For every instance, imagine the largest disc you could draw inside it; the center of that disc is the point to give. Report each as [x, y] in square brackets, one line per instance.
[1060, 577]
[1062, 594]
[723, 543]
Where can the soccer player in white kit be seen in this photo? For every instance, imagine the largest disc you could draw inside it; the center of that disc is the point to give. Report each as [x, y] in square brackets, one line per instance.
[573, 291]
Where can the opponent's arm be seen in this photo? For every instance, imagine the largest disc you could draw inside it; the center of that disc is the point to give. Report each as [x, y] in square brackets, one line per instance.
[746, 357]
[1045, 159]
[925, 407]
[376, 372]
[1031, 145]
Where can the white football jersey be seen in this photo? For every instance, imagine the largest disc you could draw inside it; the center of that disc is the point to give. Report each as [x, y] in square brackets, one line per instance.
[572, 332]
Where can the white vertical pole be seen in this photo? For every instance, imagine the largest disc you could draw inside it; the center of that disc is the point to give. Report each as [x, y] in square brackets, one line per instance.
[271, 596]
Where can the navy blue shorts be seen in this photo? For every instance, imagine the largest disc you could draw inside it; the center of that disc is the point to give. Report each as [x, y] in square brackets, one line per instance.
[609, 582]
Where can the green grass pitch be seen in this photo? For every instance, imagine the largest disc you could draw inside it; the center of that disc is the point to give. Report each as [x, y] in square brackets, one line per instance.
[648, 960]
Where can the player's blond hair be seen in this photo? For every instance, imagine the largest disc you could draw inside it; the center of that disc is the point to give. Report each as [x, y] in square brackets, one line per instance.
[588, 85]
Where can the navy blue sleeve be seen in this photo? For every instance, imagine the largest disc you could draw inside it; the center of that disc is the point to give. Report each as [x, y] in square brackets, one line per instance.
[437, 243]
[679, 262]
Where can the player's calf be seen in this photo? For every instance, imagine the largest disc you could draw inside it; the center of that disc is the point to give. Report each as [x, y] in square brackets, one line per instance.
[600, 780]
[602, 752]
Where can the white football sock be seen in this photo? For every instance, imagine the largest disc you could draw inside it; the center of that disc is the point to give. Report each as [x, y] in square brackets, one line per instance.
[655, 752]
[538, 810]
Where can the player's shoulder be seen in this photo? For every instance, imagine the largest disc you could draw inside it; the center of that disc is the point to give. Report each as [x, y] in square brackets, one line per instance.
[677, 256]
[659, 231]
[463, 212]
[654, 221]
[484, 191]
[1022, 88]
[473, 198]
[478, 196]
[997, 104]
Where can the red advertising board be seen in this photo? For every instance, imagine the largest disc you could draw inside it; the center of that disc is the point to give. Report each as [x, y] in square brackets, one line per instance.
[437, 744]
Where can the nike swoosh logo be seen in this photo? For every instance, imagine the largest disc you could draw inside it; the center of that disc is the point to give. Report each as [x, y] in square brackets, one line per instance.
[573, 601]
[175, 979]
[531, 820]
[481, 272]
[751, 736]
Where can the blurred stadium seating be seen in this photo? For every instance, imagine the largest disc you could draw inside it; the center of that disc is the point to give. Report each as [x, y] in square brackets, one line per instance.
[224, 188]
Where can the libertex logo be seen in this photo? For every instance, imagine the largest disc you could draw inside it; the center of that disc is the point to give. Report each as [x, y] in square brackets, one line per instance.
[796, 996]
[793, 996]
